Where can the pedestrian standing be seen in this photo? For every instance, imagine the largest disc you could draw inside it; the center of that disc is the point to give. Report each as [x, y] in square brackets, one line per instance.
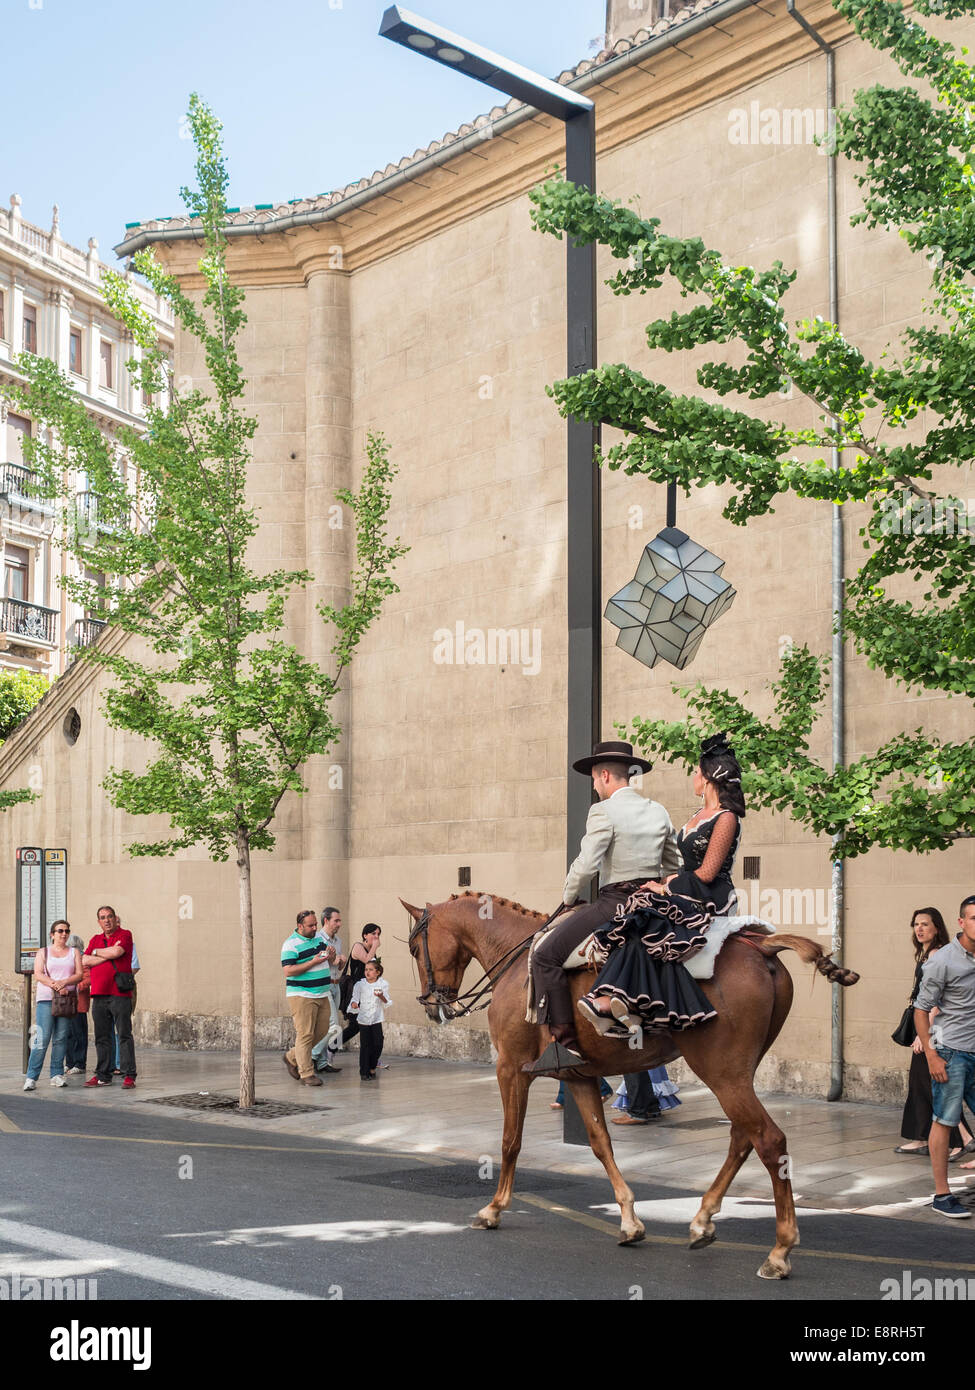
[928, 934]
[948, 984]
[369, 1002]
[57, 971]
[76, 1056]
[365, 950]
[329, 935]
[306, 969]
[109, 956]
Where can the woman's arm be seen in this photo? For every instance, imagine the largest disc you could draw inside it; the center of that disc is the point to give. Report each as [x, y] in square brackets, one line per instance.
[40, 974]
[76, 978]
[722, 838]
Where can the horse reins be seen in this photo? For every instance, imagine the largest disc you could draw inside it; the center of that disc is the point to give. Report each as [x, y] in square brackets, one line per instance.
[441, 995]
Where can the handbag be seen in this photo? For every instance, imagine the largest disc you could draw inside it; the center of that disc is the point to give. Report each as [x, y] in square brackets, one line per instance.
[64, 1005]
[905, 1032]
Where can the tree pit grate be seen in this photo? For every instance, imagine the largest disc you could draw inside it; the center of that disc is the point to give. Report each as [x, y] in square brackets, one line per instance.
[229, 1105]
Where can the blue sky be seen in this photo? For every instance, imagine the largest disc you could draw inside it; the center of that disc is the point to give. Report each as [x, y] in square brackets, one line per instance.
[310, 97]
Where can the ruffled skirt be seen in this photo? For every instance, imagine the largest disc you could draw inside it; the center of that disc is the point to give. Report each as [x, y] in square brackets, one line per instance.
[653, 932]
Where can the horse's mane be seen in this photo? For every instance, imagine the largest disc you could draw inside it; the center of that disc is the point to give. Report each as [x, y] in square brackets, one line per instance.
[501, 902]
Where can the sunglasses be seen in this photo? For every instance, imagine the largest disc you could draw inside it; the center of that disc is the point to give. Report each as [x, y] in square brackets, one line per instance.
[60, 931]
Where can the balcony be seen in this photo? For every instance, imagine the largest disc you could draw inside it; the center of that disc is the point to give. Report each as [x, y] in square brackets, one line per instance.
[14, 479]
[29, 624]
[86, 512]
[87, 632]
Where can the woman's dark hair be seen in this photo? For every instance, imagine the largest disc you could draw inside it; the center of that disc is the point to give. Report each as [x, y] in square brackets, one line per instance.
[720, 766]
[941, 938]
[371, 927]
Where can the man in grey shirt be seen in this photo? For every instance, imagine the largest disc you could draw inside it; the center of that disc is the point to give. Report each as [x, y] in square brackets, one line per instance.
[948, 984]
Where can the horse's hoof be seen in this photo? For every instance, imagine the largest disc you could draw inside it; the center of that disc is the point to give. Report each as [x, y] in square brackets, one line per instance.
[485, 1223]
[771, 1271]
[703, 1238]
[632, 1237]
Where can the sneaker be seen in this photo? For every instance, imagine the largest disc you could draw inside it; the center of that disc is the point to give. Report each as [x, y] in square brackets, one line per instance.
[97, 1081]
[58, 1081]
[948, 1205]
[74, 1071]
[128, 1084]
[30, 1085]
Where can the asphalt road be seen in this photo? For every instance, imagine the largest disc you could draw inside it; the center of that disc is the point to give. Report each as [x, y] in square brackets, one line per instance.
[161, 1207]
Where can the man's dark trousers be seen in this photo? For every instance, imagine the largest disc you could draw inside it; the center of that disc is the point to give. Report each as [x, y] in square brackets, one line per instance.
[104, 1008]
[640, 1099]
[554, 1000]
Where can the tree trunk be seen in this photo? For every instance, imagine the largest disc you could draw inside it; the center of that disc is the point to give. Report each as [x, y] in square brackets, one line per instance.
[246, 972]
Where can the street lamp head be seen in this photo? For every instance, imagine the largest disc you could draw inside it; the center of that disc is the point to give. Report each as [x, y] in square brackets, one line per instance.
[412, 31]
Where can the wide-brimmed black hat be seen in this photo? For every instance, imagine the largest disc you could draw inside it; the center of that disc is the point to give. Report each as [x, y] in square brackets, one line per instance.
[612, 753]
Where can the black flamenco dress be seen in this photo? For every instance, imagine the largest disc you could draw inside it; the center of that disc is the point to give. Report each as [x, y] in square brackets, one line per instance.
[654, 932]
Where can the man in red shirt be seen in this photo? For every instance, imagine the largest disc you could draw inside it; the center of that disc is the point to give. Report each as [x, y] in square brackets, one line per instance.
[108, 952]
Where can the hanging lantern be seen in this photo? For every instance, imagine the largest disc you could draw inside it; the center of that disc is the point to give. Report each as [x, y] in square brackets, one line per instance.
[678, 592]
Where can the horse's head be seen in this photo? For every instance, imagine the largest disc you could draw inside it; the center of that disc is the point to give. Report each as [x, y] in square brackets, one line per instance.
[441, 956]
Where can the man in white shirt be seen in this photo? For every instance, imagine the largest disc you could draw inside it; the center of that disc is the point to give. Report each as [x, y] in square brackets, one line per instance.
[369, 1002]
[628, 841]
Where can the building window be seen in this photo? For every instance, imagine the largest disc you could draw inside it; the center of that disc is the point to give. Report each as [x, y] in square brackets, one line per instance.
[105, 352]
[75, 359]
[19, 426]
[3, 316]
[30, 328]
[16, 567]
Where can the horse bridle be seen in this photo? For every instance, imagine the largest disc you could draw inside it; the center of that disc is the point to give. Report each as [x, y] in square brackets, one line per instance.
[449, 1003]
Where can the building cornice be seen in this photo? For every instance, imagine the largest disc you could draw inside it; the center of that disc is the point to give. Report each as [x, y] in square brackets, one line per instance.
[722, 47]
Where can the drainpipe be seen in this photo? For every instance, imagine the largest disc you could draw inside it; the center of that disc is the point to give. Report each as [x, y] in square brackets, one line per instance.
[837, 909]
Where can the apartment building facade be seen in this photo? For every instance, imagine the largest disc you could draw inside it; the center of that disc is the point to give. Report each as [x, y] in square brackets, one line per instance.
[51, 304]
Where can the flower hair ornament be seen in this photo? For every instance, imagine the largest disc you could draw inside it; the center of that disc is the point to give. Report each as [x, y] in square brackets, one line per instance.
[719, 750]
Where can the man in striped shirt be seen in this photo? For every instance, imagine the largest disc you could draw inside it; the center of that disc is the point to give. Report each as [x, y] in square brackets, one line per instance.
[306, 970]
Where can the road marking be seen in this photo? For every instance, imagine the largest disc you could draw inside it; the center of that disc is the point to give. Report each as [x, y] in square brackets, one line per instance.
[208, 1282]
[7, 1125]
[800, 1251]
[216, 1144]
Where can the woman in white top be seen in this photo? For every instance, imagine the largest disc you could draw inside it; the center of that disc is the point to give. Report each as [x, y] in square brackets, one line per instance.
[57, 970]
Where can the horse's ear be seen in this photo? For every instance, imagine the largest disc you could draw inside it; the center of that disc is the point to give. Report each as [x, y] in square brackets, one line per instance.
[415, 912]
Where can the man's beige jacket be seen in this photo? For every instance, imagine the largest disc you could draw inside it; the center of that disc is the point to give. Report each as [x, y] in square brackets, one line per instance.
[626, 837]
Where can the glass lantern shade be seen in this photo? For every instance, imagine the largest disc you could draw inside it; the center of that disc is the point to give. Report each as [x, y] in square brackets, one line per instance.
[677, 593]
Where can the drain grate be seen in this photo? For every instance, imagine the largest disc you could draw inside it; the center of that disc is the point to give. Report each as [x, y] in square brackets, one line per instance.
[228, 1105]
[453, 1180]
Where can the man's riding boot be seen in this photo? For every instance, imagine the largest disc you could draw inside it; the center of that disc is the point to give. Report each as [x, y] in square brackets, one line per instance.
[562, 1055]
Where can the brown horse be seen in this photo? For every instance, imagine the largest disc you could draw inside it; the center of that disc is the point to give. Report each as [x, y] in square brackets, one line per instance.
[751, 990]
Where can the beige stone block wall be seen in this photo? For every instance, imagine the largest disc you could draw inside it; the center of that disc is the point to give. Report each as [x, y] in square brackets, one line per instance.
[446, 345]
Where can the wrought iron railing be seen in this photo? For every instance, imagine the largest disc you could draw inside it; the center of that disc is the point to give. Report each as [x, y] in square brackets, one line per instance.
[14, 481]
[87, 631]
[29, 621]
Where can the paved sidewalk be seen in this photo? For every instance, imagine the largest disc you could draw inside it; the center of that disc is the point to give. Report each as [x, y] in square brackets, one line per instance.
[842, 1153]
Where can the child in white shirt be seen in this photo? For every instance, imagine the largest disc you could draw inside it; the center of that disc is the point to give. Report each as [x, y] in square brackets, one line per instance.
[369, 1002]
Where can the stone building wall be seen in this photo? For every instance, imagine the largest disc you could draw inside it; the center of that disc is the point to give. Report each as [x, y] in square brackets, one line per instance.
[437, 316]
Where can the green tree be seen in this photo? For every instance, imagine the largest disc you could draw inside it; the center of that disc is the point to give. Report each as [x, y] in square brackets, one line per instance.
[19, 693]
[232, 711]
[915, 160]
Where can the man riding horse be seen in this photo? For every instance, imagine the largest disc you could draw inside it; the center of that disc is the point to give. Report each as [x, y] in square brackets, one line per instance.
[628, 841]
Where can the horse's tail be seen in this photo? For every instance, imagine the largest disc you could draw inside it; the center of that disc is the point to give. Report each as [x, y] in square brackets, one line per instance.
[812, 953]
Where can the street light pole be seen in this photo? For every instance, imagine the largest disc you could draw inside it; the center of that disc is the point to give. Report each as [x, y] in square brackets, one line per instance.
[583, 542]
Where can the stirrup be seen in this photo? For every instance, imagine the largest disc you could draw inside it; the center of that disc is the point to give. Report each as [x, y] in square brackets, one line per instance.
[556, 1060]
